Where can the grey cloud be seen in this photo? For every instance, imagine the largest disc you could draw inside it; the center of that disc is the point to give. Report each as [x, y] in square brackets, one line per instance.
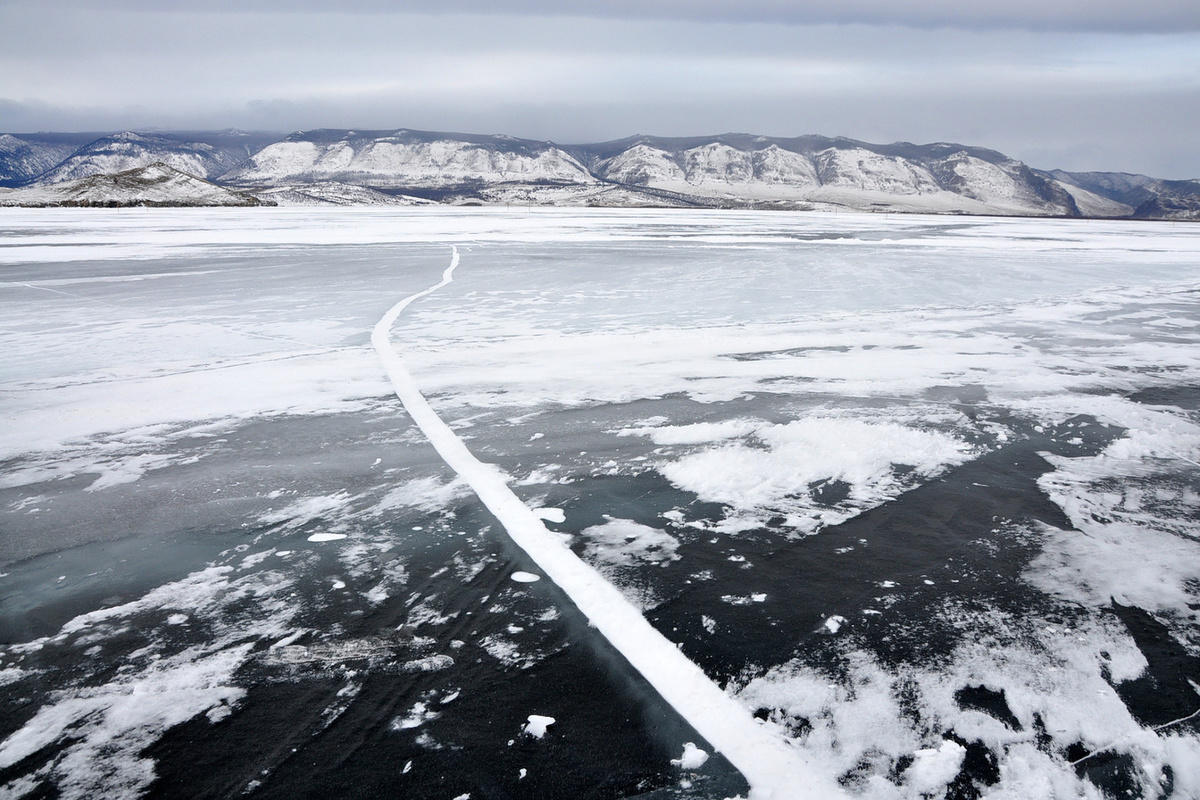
[1119, 16]
[1075, 100]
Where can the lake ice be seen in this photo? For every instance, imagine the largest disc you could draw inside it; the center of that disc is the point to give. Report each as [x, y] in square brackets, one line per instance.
[919, 495]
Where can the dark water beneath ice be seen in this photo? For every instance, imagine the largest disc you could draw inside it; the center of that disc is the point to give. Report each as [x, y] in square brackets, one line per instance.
[375, 699]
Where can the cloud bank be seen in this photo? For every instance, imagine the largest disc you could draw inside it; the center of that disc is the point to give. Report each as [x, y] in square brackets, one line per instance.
[1099, 85]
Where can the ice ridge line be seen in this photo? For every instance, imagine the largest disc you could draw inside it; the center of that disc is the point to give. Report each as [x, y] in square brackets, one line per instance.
[774, 770]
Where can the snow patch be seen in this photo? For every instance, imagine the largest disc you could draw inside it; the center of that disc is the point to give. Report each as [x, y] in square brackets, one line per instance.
[625, 543]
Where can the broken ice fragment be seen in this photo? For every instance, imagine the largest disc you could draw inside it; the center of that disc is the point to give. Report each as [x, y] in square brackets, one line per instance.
[550, 514]
[693, 757]
[536, 726]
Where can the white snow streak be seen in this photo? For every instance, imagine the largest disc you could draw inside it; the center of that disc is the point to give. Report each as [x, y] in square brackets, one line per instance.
[774, 771]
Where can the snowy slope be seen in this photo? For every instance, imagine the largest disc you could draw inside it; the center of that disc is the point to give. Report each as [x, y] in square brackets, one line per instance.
[1143, 197]
[871, 172]
[23, 158]
[402, 159]
[1174, 200]
[153, 185]
[643, 165]
[333, 193]
[1091, 204]
[128, 150]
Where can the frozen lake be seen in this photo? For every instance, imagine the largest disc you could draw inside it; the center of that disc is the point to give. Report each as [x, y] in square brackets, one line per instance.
[919, 495]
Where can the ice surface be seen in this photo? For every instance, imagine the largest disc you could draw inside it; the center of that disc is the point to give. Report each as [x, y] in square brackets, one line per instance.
[701, 395]
[770, 767]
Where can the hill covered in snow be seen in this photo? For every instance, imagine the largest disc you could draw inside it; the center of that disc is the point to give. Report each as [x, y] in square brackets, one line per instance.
[152, 185]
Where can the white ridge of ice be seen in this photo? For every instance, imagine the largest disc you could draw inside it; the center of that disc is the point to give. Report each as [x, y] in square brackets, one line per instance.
[773, 770]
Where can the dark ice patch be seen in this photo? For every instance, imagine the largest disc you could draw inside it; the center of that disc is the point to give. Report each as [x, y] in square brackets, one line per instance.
[1185, 397]
[1114, 773]
[989, 701]
[970, 394]
[1165, 691]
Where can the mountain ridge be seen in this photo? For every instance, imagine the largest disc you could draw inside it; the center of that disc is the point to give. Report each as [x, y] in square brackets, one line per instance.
[153, 185]
[737, 170]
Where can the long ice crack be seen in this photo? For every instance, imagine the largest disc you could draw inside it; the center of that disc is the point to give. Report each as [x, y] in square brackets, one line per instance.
[773, 769]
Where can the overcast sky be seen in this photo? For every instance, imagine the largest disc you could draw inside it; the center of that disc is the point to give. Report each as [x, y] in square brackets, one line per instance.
[1076, 84]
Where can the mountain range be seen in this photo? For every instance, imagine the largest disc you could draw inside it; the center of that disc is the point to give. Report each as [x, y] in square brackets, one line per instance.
[419, 167]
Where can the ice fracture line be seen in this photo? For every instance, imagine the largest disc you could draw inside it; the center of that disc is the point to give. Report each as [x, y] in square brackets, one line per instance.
[772, 767]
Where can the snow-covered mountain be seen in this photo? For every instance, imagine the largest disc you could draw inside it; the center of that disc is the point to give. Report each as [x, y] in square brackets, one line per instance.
[1138, 196]
[203, 154]
[731, 170]
[23, 158]
[152, 185]
[128, 150]
[409, 160]
[745, 170]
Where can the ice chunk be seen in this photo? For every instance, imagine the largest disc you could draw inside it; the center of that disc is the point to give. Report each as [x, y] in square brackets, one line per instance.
[744, 600]
[551, 514]
[536, 726]
[326, 537]
[693, 757]
[417, 716]
[525, 577]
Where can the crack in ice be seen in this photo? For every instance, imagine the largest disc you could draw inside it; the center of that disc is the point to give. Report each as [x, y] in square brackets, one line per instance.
[774, 770]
